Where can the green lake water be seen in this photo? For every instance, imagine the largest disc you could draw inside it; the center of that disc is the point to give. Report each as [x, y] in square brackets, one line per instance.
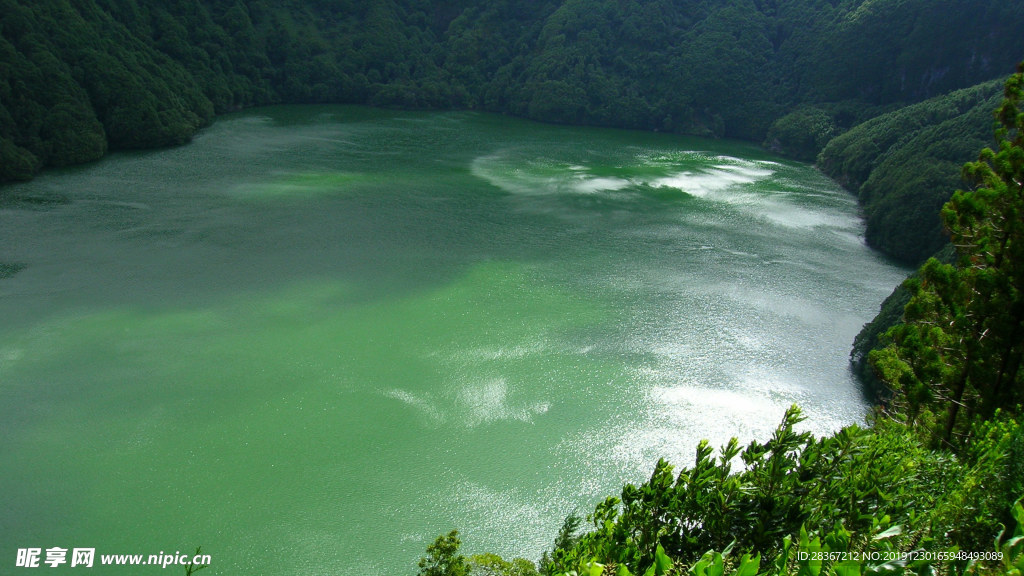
[315, 338]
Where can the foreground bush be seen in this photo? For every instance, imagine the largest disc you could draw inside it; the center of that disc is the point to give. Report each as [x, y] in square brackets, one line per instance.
[861, 501]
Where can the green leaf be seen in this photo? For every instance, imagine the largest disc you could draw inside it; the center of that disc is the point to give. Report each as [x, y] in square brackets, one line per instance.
[749, 566]
[847, 568]
[783, 558]
[711, 564]
[1018, 515]
[894, 568]
[889, 533]
[700, 568]
[809, 567]
[662, 563]
[717, 567]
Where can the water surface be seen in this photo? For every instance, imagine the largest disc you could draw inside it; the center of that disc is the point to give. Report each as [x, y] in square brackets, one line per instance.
[315, 338]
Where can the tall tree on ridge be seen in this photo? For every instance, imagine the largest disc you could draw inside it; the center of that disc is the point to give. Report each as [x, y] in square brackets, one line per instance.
[958, 355]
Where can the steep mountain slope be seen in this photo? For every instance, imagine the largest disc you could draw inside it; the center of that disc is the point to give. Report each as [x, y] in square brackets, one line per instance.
[80, 76]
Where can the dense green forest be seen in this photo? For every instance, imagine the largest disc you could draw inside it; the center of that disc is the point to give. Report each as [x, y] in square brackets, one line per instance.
[904, 166]
[135, 73]
[935, 486]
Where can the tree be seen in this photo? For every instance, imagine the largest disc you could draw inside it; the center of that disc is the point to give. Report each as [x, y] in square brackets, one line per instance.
[443, 558]
[490, 564]
[957, 357]
[988, 231]
[568, 536]
[858, 490]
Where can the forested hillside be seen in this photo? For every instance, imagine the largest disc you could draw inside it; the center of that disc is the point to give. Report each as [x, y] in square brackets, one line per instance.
[78, 77]
[904, 166]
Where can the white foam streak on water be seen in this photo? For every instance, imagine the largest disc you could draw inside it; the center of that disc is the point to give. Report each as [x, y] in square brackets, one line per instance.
[471, 404]
[422, 405]
[786, 214]
[543, 177]
[590, 185]
[709, 184]
[8, 356]
[733, 181]
[489, 401]
[746, 168]
[491, 354]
